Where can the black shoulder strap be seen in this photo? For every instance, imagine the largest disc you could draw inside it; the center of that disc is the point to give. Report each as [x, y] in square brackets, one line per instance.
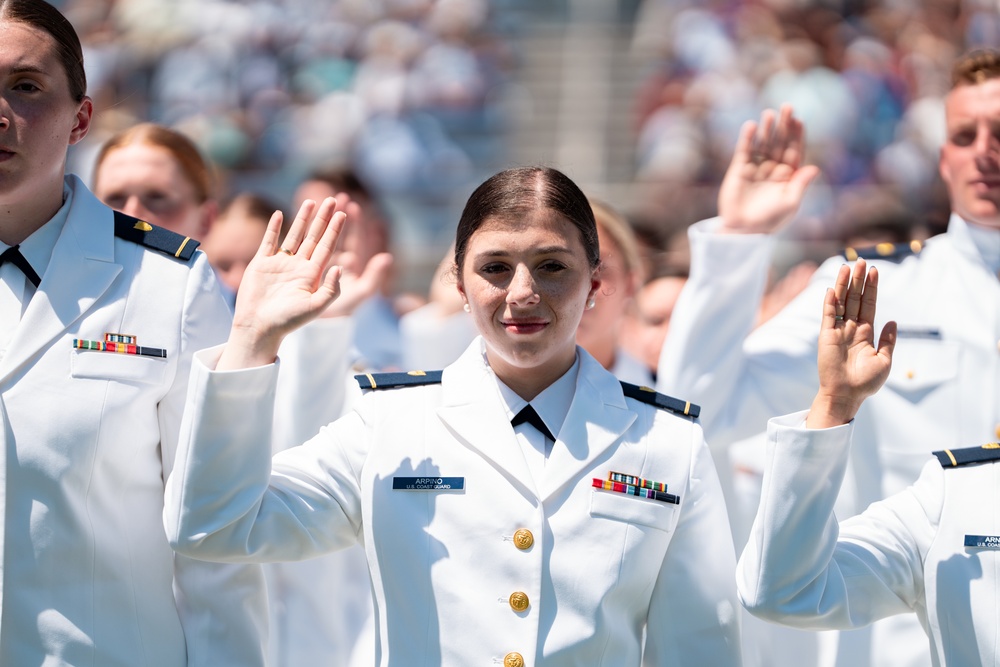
[156, 238]
[954, 458]
[661, 401]
[893, 252]
[392, 380]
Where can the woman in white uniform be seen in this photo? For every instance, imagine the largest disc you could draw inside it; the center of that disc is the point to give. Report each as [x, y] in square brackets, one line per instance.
[488, 543]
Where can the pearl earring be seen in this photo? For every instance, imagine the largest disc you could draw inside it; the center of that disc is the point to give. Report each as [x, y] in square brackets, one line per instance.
[467, 308]
[591, 303]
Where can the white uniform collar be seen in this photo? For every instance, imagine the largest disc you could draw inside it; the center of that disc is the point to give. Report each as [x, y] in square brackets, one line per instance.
[552, 404]
[976, 240]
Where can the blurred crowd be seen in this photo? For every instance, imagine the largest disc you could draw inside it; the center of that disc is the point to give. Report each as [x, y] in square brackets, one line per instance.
[410, 96]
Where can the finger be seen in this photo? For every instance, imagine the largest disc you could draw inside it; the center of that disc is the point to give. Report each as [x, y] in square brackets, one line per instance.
[329, 289]
[801, 179]
[853, 304]
[328, 241]
[887, 341]
[269, 244]
[744, 143]
[764, 131]
[376, 272]
[317, 227]
[781, 134]
[840, 288]
[828, 322]
[794, 147]
[869, 297]
[299, 226]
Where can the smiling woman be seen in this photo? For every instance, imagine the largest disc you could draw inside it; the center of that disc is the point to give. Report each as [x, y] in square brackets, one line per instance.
[575, 516]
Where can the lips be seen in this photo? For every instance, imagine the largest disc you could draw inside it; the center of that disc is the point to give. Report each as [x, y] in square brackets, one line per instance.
[524, 325]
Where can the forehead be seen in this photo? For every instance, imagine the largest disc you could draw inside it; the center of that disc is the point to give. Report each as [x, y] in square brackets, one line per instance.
[24, 47]
[139, 161]
[527, 230]
[973, 102]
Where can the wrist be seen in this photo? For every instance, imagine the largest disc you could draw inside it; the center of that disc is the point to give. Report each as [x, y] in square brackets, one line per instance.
[830, 411]
[247, 348]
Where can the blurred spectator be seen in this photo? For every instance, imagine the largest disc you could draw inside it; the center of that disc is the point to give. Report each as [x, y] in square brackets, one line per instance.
[157, 174]
[234, 238]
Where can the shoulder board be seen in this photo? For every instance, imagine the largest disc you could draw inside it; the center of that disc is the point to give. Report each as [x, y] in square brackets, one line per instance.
[893, 252]
[953, 458]
[393, 380]
[662, 401]
[157, 238]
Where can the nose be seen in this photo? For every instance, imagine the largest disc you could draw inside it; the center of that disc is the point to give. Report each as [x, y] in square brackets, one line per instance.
[521, 290]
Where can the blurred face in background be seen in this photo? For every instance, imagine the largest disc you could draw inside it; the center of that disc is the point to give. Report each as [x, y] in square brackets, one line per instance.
[601, 325]
[649, 321]
[230, 245]
[364, 235]
[147, 182]
[970, 157]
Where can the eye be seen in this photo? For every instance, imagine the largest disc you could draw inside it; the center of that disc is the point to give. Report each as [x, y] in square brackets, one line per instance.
[494, 268]
[553, 266]
[26, 87]
[964, 138]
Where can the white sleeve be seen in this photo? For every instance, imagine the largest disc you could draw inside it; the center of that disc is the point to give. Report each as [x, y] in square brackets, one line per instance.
[223, 501]
[800, 568]
[713, 356]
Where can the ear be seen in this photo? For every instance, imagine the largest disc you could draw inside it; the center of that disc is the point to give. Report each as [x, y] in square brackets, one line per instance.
[943, 168]
[84, 114]
[595, 285]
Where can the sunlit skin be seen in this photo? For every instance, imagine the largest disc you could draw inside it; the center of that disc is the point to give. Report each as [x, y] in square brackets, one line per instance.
[970, 157]
[527, 282]
[146, 181]
[361, 240]
[601, 326]
[39, 120]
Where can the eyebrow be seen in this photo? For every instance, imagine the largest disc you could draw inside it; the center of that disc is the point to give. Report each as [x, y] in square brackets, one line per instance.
[544, 250]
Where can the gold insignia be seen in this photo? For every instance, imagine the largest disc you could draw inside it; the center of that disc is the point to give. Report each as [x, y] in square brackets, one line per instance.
[992, 445]
[143, 226]
[418, 373]
[647, 389]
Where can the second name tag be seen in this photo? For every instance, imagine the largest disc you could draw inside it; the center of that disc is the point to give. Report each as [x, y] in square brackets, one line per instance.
[982, 541]
[428, 483]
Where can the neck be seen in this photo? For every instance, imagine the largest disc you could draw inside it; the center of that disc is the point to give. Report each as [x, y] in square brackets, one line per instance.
[21, 218]
[529, 382]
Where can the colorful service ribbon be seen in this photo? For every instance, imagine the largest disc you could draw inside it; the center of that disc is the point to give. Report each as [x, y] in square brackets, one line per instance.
[632, 480]
[119, 344]
[631, 489]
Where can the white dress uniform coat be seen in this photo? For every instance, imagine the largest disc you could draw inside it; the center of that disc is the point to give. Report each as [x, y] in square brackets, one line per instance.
[499, 571]
[932, 549]
[942, 391]
[88, 440]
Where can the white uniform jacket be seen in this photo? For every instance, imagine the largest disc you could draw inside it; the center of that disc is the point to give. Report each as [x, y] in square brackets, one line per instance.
[88, 440]
[904, 554]
[600, 568]
[943, 391]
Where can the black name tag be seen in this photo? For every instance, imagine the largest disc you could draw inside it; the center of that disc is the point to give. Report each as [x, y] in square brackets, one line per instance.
[428, 483]
[983, 541]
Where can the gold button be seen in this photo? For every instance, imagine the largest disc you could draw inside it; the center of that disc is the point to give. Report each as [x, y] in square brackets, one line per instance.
[518, 601]
[910, 375]
[997, 431]
[513, 660]
[523, 539]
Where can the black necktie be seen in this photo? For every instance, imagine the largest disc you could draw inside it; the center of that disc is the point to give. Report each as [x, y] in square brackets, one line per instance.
[527, 415]
[14, 256]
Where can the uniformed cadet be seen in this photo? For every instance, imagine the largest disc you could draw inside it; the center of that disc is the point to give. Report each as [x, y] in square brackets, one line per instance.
[945, 296]
[930, 551]
[588, 529]
[99, 317]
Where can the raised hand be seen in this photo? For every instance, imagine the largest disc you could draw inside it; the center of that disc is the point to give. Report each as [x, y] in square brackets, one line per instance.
[765, 182]
[851, 368]
[285, 287]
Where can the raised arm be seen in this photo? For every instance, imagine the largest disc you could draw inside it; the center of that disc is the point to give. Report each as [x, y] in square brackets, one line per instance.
[851, 367]
[766, 180]
[285, 287]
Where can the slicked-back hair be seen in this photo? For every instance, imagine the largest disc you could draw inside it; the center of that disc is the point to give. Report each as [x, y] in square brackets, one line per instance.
[513, 193]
